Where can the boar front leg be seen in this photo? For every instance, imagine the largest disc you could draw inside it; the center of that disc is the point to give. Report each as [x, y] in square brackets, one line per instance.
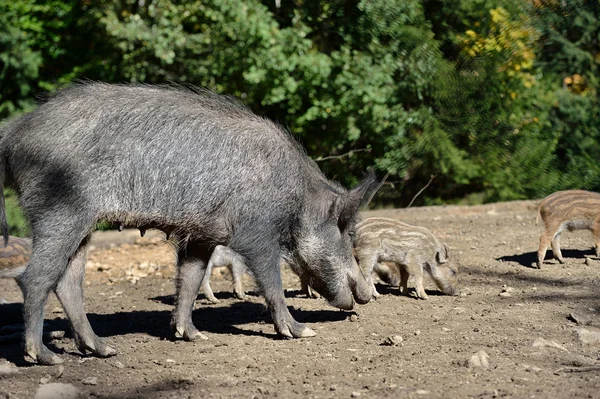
[265, 266]
[191, 266]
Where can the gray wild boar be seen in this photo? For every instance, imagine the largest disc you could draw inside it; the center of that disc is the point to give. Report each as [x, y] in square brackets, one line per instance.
[413, 249]
[196, 165]
[571, 210]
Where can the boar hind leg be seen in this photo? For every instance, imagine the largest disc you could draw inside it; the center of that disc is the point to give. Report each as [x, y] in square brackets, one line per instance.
[191, 267]
[49, 259]
[556, 248]
[403, 280]
[237, 272]
[205, 285]
[70, 294]
[267, 272]
[544, 242]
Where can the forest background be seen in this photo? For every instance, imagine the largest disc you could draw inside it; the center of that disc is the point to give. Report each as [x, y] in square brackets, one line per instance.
[494, 99]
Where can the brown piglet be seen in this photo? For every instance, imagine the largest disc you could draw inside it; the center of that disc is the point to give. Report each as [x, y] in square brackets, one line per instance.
[571, 210]
[412, 249]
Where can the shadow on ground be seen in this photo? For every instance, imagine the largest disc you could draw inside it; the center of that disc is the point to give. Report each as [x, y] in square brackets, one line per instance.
[529, 259]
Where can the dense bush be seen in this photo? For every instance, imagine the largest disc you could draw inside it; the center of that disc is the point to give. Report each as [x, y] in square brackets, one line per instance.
[498, 99]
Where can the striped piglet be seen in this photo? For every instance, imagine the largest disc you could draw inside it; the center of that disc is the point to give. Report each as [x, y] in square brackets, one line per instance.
[412, 249]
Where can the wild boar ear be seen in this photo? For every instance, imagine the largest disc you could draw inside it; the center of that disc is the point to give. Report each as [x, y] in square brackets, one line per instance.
[444, 255]
[354, 199]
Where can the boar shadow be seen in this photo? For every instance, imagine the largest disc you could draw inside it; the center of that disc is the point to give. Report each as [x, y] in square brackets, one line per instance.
[529, 259]
[210, 319]
[386, 289]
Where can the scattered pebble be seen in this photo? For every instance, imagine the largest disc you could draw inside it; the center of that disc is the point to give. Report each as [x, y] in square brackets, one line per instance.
[355, 394]
[58, 371]
[353, 318]
[57, 390]
[417, 332]
[591, 337]
[90, 381]
[446, 329]
[504, 295]
[421, 392]
[392, 340]
[479, 360]
[118, 364]
[45, 379]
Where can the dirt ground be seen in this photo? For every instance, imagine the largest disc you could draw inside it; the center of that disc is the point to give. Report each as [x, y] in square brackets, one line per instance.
[534, 349]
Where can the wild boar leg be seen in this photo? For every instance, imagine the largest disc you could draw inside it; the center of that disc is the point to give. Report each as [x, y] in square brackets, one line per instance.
[403, 280]
[70, 294]
[237, 271]
[368, 262]
[55, 242]
[556, 248]
[191, 263]
[544, 242]
[205, 285]
[265, 266]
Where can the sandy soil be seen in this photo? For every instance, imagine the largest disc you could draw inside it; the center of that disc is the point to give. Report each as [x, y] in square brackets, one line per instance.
[532, 347]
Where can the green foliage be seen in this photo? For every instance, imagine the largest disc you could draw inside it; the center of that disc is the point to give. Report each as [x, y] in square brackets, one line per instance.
[17, 224]
[498, 99]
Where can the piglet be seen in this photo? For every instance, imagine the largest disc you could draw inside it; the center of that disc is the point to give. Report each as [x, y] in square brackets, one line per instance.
[412, 249]
[573, 210]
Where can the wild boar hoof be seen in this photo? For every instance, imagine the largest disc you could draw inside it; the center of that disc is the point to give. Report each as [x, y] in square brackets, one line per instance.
[297, 330]
[189, 334]
[45, 357]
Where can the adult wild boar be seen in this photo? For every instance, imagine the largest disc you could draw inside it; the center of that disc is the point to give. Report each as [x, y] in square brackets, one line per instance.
[194, 164]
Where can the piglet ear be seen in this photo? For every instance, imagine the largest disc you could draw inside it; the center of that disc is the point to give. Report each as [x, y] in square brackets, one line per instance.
[444, 255]
[354, 199]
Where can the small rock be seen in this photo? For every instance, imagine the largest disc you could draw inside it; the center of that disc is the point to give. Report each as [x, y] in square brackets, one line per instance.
[333, 388]
[532, 368]
[587, 261]
[586, 336]
[506, 288]
[540, 342]
[479, 360]
[580, 318]
[57, 390]
[392, 340]
[421, 392]
[8, 369]
[90, 381]
[45, 379]
[355, 394]
[58, 371]
[118, 364]
[446, 329]
[504, 295]
[354, 318]
[417, 332]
